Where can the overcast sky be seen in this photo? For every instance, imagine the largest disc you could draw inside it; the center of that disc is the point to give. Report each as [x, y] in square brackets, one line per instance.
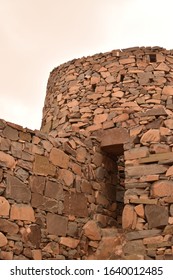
[38, 35]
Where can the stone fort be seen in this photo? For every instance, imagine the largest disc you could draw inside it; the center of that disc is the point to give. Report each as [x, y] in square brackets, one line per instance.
[95, 182]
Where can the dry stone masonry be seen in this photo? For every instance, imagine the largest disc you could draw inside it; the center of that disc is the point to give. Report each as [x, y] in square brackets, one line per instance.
[96, 182]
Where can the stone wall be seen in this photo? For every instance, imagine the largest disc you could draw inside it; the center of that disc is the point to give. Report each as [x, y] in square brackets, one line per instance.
[51, 192]
[96, 181]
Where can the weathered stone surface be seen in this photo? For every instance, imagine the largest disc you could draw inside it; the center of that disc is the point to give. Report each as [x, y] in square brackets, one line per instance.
[59, 158]
[3, 240]
[22, 212]
[155, 112]
[36, 254]
[110, 248]
[136, 153]
[162, 188]
[69, 242]
[37, 200]
[10, 133]
[156, 157]
[100, 118]
[54, 190]
[92, 230]
[86, 187]
[34, 235]
[114, 136]
[134, 247]
[52, 248]
[75, 204]
[37, 184]
[7, 160]
[8, 226]
[169, 123]
[168, 230]
[56, 224]
[17, 190]
[140, 170]
[121, 118]
[81, 154]
[171, 210]
[6, 255]
[67, 176]
[42, 166]
[169, 171]
[157, 216]
[167, 90]
[142, 234]
[128, 217]
[153, 240]
[4, 206]
[151, 136]
[160, 148]
[140, 210]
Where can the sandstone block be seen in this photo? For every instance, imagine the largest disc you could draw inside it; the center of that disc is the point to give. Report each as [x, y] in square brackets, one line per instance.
[75, 204]
[10, 133]
[54, 190]
[17, 190]
[42, 166]
[134, 247]
[114, 136]
[160, 148]
[81, 154]
[171, 210]
[121, 118]
[86, 187]
[52, 248]
[140, 210]
[128, 217]
[157, 216]
[95, 80]
[169, 123]
[162, 67]
[4, 206]
[151, 136]
[157, 157]
[136, 153]
[167, 90]
[162, 188]
[170, 171]
[153, 240]
[56, 224]
[168, 230]
[37, 200]
[92, 230]
[22, 212]
[67, 176]
[36, 254]
[100, 118]
[110, 248]
[7, 160]
[127, 60]
[69, 242]
[3, 240]
[143, 234]
[37, 184]
[6, 255]
[155, 112]
[149, 169]
[33, 235]
[8, 226]
[59, 158]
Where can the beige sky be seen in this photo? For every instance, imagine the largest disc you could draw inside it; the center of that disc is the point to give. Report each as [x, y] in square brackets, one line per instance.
[38, 35]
